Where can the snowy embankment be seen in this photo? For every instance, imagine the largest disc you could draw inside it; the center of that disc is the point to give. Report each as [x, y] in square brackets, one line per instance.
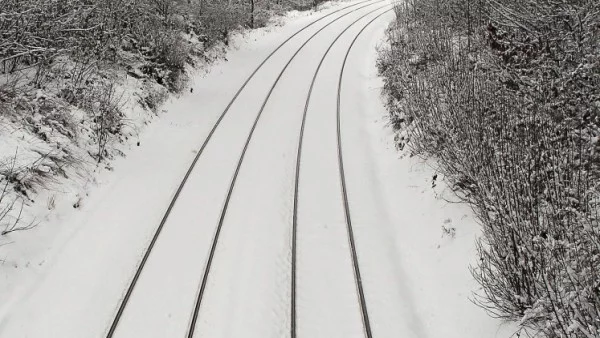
[411, 232]
[414, 247]
[76, 202]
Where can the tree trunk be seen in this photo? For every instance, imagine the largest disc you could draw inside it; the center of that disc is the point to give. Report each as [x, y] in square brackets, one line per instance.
[251, 13]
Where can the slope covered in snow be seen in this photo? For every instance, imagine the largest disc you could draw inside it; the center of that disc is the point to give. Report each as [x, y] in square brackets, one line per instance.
[413, 248]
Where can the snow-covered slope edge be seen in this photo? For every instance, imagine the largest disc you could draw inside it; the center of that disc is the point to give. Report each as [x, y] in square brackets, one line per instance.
[428, 240]
[158, 149]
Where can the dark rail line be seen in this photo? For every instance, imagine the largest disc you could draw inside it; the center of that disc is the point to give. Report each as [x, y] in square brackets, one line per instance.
[158, 230]
[215, 241]
[297, 176]
[357, 276]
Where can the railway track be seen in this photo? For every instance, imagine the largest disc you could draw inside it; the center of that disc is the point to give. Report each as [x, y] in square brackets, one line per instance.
[206, 274]
[215, 241]
[156, 235]
[357, 275]
[363, 306]
[158, 230]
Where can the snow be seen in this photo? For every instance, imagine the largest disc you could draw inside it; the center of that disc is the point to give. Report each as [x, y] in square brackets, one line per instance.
[65, 278]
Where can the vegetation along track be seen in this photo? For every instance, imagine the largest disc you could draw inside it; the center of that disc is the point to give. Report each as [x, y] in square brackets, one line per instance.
[157, 232]
[215, 241]
[358, 280]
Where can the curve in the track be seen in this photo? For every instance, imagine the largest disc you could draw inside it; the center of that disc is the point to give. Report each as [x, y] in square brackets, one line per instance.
[357, 276]
[297, 178]
[215, 240]
[158, 230]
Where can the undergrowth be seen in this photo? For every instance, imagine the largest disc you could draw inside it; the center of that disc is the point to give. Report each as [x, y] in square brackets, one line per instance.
[505, 95]
[70, 68]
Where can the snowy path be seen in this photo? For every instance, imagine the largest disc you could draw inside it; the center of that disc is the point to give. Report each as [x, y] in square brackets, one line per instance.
[247, 290]
[222, 265]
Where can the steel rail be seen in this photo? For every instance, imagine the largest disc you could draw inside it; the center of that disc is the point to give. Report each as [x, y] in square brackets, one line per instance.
[133, 282]
[293, 316]
[215, 241]
[357, 275]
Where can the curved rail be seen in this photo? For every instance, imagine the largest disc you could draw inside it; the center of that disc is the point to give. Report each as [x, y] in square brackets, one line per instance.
[357, 276]
[132, 284]
[297, 176]
[215, 241]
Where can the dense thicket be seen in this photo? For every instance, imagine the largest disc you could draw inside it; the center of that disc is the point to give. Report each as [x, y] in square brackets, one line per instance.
[57, 56]
[505, 94]
[33, 33]
[73, 74]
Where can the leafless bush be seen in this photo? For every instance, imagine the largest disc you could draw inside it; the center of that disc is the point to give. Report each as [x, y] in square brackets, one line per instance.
[104, 103]
[8, 221]
[36, 34]
[58, 55]
[506, 96]
[153, 99]
[217, 19]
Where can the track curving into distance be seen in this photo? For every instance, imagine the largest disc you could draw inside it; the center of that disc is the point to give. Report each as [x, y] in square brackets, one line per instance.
[215, 241]
[297, 184]
[158, 230]
[357, 276]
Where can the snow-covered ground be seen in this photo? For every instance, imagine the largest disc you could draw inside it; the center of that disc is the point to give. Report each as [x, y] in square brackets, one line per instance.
[66, 277]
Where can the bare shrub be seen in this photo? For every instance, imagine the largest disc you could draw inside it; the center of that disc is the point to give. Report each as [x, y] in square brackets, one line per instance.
[8, 221]
[104, 104]
[153, 100]
[172, 50]
[218, 19]
[504, 94]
